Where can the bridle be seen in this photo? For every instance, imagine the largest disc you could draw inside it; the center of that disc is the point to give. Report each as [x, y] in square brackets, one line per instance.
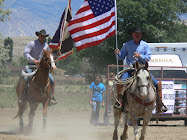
[50, 68]
[138, 99]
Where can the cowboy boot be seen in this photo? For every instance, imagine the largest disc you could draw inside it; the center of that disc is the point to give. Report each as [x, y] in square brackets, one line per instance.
[161, 107]
[118, 104]
[52, 98]
[119, 98]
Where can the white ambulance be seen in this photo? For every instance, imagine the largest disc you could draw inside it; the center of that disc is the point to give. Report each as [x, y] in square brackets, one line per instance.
[171, 57]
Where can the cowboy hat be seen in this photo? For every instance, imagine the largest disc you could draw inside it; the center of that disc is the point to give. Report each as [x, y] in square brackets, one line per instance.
[135, 29]
[42, 32]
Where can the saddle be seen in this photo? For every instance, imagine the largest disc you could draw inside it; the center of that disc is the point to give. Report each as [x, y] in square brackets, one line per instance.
[28, 75]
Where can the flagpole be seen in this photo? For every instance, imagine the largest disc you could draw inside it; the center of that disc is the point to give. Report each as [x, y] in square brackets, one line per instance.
[116, 34]
[62, 34]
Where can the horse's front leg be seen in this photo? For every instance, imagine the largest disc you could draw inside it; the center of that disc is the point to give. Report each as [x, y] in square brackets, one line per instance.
[124, 136]
[117, 116]
[45, 105]
[146, 121]
[33, 107]
[135, 125]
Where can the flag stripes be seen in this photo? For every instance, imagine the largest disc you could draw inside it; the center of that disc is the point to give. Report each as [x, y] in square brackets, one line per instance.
[88, 29]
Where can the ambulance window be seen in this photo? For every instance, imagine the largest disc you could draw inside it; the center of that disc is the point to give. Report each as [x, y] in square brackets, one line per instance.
[174, 74]
[169, 74]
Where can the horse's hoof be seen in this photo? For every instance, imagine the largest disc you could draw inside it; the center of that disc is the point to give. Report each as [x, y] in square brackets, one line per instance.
[28, 131]
[124, 138]
[142, 138]
[115, 137]
[20, 131]
[43, 130]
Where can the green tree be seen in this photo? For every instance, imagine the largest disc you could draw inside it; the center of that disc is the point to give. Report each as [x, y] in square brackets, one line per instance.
[49, 40]
[23, 61]
[4, 57]
[98, 57]
[72, 64]
[159, 18]
[4, 14]
[8, 44]
[4, 53]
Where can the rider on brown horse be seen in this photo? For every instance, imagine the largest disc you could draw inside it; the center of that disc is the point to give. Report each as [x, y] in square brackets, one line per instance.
[33, 53]
[133, 50]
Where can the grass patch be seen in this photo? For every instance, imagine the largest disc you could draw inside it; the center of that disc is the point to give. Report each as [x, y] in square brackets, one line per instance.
[8, 98]
[68, 97]
[72, 97]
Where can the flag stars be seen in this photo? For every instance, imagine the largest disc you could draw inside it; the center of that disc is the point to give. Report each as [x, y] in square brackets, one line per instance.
[100, 6]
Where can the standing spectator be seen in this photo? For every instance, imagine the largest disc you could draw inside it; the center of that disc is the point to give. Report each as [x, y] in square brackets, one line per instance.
[96, 99]
[109, 99]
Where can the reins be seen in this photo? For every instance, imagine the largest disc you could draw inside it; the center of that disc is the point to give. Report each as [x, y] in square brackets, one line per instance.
[139, 100]
[41, 88]
[47, 70]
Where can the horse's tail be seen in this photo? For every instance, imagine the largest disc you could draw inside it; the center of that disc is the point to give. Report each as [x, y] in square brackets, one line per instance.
[21, 105]
[22, 108]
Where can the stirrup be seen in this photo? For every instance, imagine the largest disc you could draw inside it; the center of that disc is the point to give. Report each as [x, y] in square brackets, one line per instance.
[52, 102]
[117, 106]
[163, 109]
[22, 98]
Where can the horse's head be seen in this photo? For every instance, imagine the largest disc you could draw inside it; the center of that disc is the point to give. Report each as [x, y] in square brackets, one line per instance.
[47, 61]
[143, 78]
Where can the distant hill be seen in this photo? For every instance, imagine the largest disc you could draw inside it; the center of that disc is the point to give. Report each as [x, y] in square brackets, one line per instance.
[29, 16]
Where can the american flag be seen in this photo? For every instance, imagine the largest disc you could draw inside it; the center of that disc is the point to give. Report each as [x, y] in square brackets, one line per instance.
[93, 23]
[62, 40]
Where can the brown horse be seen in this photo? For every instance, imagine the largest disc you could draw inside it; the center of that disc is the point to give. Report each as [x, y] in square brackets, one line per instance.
[38, 91]
[139, 102]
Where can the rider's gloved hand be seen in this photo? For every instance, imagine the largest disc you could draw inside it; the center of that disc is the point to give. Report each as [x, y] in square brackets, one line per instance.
[36, 62]
[116, 51]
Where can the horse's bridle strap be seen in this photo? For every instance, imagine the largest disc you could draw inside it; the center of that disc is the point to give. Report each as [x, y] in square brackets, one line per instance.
[140, 101]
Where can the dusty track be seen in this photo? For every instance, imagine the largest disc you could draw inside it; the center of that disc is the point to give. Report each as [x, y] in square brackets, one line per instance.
[71, 125]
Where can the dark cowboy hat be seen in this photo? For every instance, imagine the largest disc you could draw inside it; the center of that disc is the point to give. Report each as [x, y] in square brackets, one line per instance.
[135, 29]
[43, 32]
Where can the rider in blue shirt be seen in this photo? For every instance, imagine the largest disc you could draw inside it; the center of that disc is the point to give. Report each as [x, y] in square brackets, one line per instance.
[96, 99]
[136, 50]
[131, 47]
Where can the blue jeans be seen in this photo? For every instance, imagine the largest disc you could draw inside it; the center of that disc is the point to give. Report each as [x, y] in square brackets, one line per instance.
[128, 75]
[50, 77]
[95, 112]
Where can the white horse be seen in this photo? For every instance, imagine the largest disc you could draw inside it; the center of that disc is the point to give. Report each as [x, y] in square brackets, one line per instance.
[139, 101]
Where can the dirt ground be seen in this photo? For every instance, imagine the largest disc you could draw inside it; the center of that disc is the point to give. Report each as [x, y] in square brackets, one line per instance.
[74, 125]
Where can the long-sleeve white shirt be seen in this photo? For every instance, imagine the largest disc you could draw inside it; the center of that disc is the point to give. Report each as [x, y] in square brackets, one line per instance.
[34, 50]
